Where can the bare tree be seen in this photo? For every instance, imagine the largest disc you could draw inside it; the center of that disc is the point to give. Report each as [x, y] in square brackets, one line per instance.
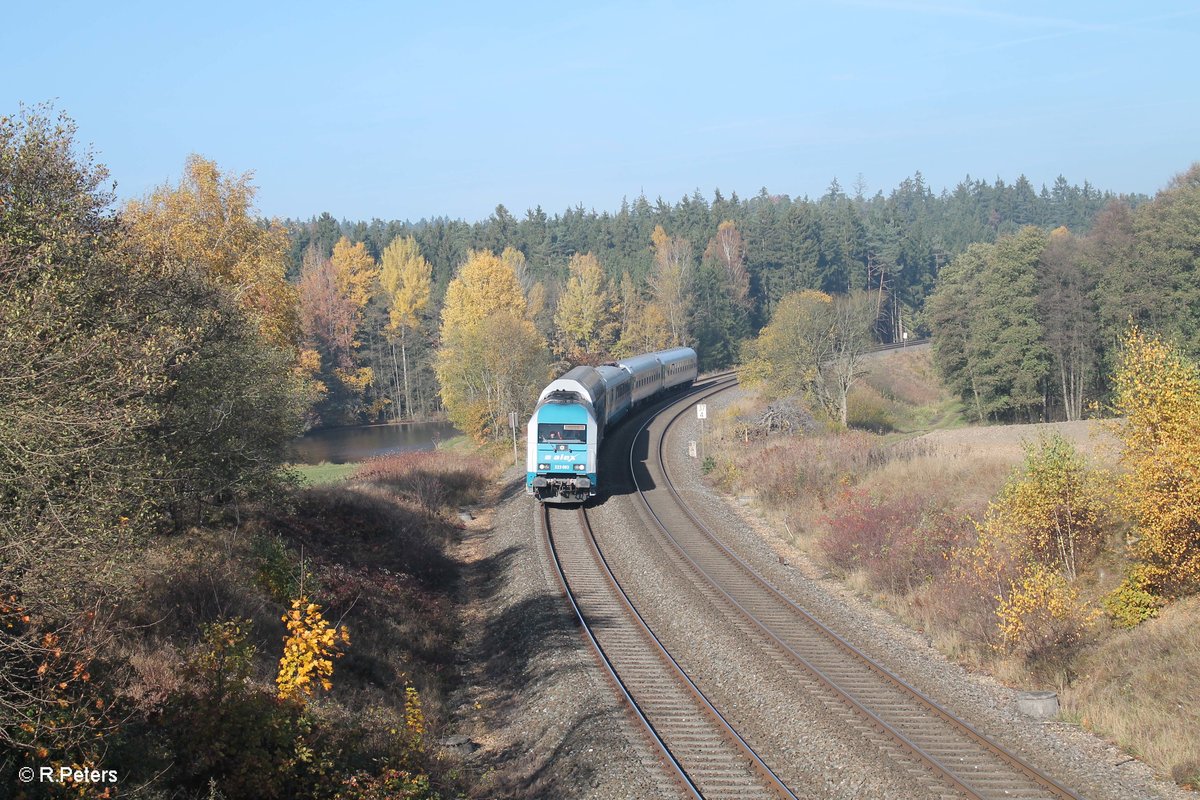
[850, 320]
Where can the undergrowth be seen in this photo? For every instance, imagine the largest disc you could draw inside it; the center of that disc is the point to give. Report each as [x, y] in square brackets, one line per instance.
[361, 572]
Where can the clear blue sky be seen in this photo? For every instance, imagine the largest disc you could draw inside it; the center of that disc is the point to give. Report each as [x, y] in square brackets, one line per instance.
[398, 110]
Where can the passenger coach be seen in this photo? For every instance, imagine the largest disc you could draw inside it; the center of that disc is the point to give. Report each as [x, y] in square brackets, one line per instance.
[575, 411]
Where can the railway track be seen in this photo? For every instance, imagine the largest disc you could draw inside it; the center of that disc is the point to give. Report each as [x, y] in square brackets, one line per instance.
[904, 719]
[702, 749]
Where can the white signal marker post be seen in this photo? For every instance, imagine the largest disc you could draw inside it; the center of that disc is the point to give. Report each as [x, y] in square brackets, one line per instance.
[702, 414]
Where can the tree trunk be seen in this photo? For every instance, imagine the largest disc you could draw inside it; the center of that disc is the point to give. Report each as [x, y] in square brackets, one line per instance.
[395, 382]
[404, 357]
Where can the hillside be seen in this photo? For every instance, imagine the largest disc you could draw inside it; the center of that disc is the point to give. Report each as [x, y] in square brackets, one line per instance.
[899, 514]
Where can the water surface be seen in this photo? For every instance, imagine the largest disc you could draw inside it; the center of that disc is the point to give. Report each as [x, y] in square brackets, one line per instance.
[360, 442]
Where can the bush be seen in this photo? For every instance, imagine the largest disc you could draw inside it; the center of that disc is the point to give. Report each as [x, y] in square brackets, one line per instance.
[435, 480]
[1132, 603]
[867, 409]
[1042, 616]
[899, 542]
[811, 467]
[276, 570]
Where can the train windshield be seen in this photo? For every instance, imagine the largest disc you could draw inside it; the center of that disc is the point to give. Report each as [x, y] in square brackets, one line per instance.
[554, 432]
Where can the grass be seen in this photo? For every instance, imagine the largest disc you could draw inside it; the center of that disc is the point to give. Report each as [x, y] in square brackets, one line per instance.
[323, 473]
[1138, 689]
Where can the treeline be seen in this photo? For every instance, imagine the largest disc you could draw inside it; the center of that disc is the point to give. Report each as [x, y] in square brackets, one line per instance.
[893, 245]
[1028, 327]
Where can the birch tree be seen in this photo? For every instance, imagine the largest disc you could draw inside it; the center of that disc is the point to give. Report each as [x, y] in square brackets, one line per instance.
[582, 319]
[1069, 317]
[814, 344]
[492, 358]
[405, 279]
[670, 283]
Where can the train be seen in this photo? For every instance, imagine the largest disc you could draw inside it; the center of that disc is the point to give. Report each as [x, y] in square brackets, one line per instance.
[575, 411]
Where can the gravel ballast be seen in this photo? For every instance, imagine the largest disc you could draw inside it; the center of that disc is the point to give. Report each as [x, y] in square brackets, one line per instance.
[533, 697]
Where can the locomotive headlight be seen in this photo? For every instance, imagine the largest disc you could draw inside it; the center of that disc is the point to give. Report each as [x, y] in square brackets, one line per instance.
[581, 467]
[543, 466]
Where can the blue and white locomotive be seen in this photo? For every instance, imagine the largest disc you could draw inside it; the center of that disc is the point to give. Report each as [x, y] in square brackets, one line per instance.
[574, 412]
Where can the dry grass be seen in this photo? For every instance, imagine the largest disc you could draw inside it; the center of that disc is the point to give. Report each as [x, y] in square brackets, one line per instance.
[906, 376]
[1139, 687]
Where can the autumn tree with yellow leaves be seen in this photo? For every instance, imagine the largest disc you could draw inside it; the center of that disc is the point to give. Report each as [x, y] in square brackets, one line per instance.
[309, 649]
[492, 360]
[206, 223]
[1044, 528]
[405, 279]
[815, 344]
[1157, 391]
[236, 389]
[583, 320]
[333, 295]
[670, 283]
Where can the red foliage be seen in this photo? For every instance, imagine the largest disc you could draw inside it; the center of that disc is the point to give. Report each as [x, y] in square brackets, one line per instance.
[435, 479]
[899, 542]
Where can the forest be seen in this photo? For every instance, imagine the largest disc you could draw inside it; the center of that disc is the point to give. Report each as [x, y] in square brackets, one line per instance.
[725, 264]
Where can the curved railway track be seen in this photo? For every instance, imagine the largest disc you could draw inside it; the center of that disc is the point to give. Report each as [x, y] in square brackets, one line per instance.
[704, 751]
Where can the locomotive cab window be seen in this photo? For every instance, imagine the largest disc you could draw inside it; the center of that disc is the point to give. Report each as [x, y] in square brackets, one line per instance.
[553, 433]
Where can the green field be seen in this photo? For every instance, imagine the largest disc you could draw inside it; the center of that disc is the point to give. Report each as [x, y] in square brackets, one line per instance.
[314, 474]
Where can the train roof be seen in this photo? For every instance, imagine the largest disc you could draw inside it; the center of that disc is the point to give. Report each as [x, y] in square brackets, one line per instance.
[610, 374]
[675, 353]
[638, 363]
[583, 381]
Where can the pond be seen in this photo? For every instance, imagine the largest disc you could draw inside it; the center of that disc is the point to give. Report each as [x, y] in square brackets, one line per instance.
[360, 442]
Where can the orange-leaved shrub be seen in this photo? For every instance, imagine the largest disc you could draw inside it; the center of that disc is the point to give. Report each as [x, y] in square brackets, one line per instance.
[309, 649]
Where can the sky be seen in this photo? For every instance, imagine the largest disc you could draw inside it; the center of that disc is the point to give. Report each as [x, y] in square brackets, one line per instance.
[398, 110]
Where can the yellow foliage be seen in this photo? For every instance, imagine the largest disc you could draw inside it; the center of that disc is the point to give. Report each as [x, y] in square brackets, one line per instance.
[206, 222]
[355, 272]
[583, 308]
[1046, 524]
[1157, 390]
[356, 380]
[309, 648]
[414, 720]
[1042, 611]
[1050, 513]
[405, 278]
[670, 283]
[492, 359]
[787, 353]
[484, 286]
